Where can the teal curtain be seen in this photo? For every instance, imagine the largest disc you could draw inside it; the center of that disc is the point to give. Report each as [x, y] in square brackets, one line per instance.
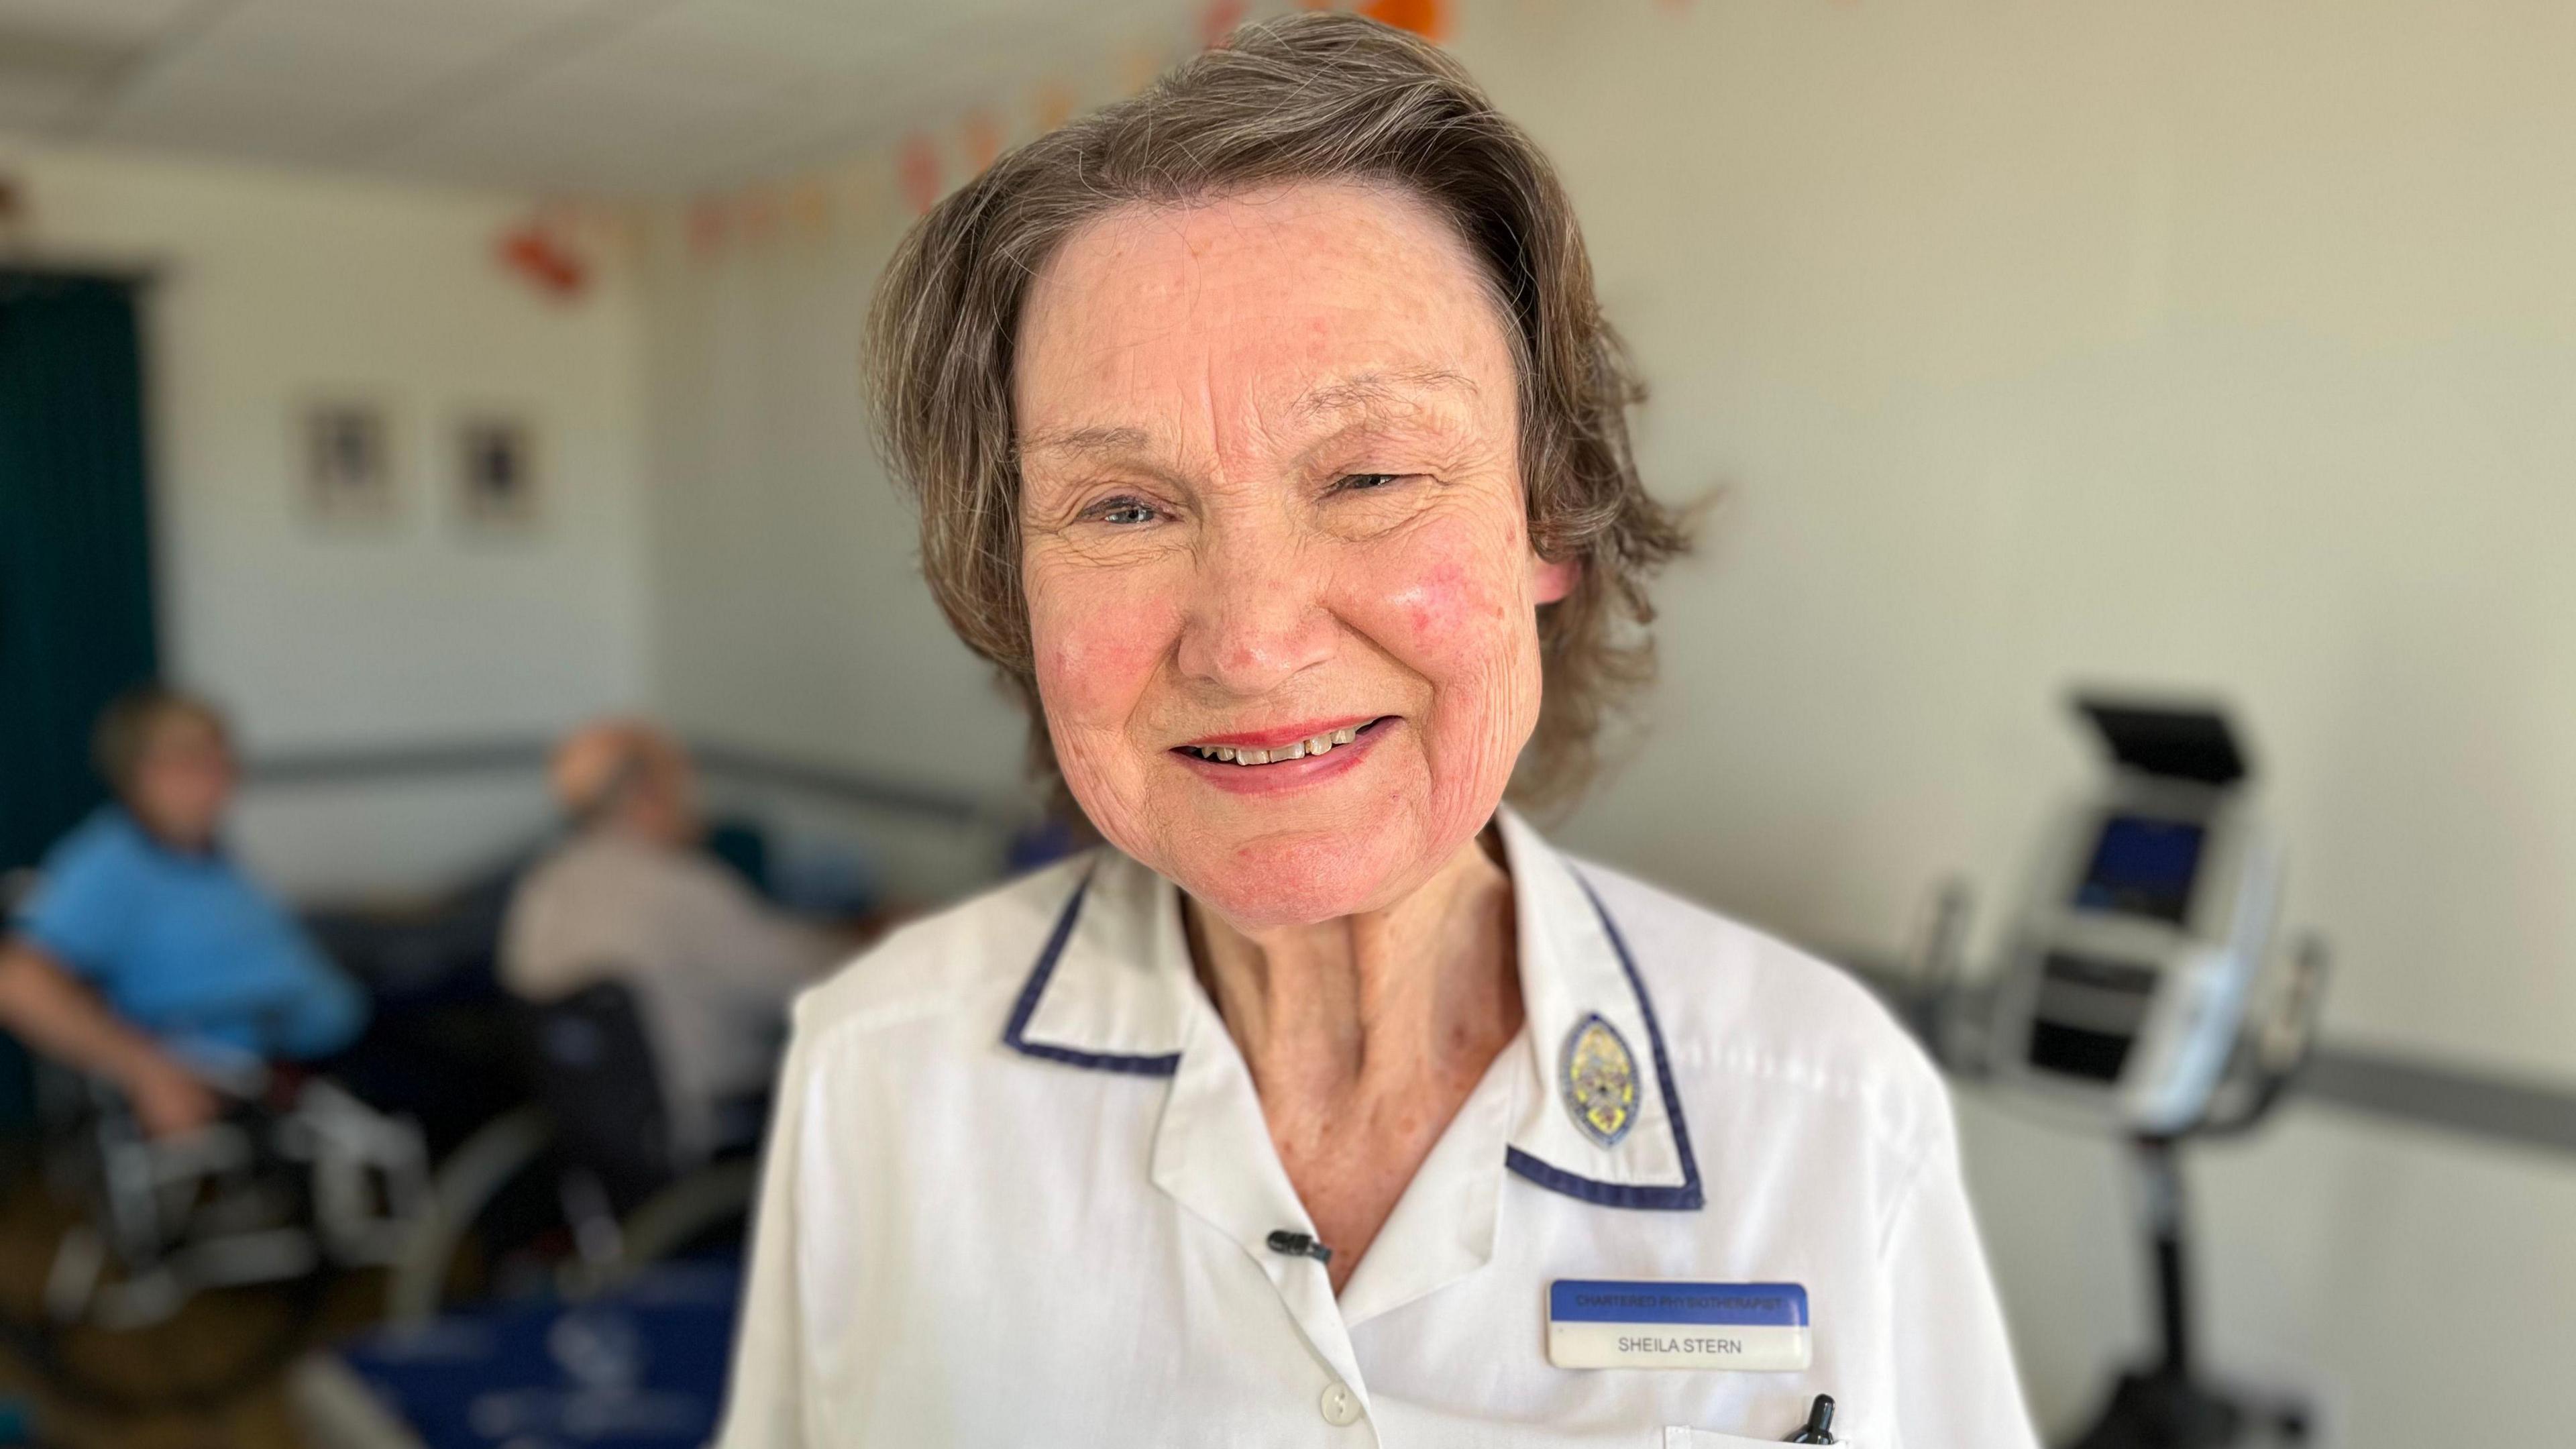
[76, 611]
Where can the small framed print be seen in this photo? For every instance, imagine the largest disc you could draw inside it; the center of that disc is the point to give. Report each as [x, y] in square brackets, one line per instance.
[348, 459]
[499, 487]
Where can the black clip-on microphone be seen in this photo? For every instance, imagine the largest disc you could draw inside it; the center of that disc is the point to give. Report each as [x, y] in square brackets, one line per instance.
[1299, 1245]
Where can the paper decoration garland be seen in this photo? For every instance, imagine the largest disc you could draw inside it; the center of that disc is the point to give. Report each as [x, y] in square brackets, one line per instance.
[918, 165]
[809, 206]
[1054, 106]
[544, 260]
[1137, 68]
[983, 136]
[706, 226]
[756, 214]
[1220, 20]
[1426, 18]
[813, 205]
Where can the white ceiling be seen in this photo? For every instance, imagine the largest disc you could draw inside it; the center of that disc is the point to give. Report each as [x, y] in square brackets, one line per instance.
[564, 95]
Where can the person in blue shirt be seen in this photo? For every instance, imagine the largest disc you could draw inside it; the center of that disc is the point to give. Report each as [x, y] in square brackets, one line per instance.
[144, 947]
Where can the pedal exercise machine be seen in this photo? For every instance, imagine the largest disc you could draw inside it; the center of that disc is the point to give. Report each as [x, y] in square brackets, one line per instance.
[2128, 1003]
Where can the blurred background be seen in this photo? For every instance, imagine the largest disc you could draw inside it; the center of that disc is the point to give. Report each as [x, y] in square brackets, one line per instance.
[416, 380]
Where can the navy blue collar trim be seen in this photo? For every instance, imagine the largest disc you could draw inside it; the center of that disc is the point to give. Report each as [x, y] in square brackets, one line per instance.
[1686, 1197]
[1015, 1035]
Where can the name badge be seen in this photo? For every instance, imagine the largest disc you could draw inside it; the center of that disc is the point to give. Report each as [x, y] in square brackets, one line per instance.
[1595, 1323]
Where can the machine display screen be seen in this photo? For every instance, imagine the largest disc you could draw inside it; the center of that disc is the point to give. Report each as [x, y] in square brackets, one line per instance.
[2142, 866]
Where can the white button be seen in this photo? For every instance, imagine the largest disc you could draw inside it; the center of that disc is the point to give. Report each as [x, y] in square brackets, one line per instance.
[1340, 1405]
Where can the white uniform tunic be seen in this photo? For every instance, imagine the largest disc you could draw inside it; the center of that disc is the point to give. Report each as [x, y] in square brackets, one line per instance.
[1020, 1192]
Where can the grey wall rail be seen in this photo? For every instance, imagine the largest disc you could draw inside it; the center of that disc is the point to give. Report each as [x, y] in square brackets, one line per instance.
[2523, 1112]
[375, 764]
[849, 787]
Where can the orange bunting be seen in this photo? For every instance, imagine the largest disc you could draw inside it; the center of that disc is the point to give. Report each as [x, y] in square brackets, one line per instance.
[810, 205]
[758, 214]
[541, 259]
[1138, 67]
[1219, 20]
[707, 225]
[917, 165]
[1054, 106]
[1426, 18]
[983, 137]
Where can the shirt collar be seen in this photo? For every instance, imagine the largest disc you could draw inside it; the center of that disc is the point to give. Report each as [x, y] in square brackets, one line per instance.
[130, 825]
[1576, 969]
[1112, 990]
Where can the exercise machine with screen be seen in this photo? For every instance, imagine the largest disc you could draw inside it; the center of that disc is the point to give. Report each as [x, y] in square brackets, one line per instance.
[2150, 916]
[2128, 1003]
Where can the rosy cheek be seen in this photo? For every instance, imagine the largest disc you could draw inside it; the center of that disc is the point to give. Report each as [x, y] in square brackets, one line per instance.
[1096, 656]
[1448, 603]
[1085, 670]
[1431, 603]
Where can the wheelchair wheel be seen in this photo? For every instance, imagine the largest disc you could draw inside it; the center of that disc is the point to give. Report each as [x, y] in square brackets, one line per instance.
[220, 1347]
[122, 1353]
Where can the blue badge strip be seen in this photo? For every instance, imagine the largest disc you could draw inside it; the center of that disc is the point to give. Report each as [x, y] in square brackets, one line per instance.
[1735, 1305]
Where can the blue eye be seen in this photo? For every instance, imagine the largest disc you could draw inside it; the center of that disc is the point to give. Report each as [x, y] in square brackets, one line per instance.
[1122, 512]
[1363, 482]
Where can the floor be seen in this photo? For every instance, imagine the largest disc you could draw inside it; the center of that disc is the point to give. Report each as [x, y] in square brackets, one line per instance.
[216, 1337]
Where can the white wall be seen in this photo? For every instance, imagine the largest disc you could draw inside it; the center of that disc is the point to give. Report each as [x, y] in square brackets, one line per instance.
[788, 612]
[2202, 344]
[2199, 344]
[276, 287]
[788, 607]
[2034, 341]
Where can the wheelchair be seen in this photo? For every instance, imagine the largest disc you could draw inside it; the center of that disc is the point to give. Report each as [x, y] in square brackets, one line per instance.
[262, 1196]
[298, 1183]
[594, 1150]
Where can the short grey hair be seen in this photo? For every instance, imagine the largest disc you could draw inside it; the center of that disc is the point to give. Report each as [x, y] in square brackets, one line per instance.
[124, 731]
[1306, 97]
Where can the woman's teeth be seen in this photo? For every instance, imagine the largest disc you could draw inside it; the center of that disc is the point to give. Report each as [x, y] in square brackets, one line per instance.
[1319, 744]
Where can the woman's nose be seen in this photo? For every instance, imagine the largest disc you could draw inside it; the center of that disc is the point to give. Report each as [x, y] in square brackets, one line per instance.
[1257, 616]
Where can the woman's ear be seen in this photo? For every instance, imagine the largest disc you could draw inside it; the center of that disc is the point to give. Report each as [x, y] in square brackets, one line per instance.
[1553, 580]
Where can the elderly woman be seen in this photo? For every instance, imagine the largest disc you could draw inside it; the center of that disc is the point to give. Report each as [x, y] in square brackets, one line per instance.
[1269, 439]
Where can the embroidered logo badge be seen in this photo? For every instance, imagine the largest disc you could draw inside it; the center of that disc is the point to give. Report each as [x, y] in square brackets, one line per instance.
[1599, 1078]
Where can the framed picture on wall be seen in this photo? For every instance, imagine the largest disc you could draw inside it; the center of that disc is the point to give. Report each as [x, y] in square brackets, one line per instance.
[499, 487]
[348, 461]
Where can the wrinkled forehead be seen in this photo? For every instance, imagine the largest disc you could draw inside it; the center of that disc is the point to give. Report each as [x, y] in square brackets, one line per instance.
[1270, 308]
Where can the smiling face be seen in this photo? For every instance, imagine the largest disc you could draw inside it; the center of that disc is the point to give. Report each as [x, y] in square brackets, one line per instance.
[1281, 590]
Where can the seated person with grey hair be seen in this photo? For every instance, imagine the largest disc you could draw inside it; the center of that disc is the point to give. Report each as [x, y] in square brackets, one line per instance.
[632, 896]
[145, 954]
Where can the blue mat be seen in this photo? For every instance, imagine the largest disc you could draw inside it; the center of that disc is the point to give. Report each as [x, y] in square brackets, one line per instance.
[642, 1366]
